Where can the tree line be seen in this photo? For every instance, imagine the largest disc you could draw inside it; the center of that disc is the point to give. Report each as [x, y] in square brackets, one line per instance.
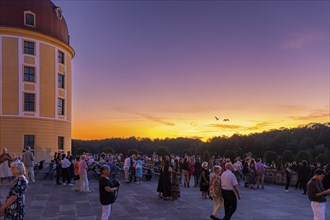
[309, 142]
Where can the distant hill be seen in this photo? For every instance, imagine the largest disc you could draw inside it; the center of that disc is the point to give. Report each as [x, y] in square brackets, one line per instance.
[306, 141]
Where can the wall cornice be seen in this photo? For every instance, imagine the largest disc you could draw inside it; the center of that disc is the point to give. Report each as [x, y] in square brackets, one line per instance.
[37, 35]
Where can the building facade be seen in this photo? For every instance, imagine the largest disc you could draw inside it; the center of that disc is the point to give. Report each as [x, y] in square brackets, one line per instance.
[35, 78]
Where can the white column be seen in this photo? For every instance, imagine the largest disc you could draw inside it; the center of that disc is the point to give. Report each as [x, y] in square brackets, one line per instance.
[65, 88]
[1, 74]
[37, 79]
[56, 83]
[20, 74]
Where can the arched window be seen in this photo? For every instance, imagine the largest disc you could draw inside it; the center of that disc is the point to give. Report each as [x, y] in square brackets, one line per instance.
[29, 19]
[58, 12]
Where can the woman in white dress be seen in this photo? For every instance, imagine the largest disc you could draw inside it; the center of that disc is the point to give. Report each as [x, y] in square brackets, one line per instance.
[5, 160]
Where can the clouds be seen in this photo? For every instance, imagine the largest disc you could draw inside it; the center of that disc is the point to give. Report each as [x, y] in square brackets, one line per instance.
[155, 119]
[149, 117]
[260, 126]
[223, 126]
[317, 115]
[300, 40]
[295, 115]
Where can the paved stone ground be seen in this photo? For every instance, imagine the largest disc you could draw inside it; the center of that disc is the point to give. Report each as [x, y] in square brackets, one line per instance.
[47, 201]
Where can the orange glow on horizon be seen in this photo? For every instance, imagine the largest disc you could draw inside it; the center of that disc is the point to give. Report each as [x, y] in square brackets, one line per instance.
[203, 129]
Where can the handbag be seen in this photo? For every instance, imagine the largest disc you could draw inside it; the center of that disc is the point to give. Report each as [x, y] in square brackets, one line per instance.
[205, 184]
[137, 166]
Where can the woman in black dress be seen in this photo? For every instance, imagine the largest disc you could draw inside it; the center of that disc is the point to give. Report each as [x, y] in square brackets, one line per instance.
[304, 172]
[245, 172]
[205, 179]
[166, 180]
[326, 179]
[160, 180]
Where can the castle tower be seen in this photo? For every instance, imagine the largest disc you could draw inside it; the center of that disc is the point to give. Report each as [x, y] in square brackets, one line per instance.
[35, 78]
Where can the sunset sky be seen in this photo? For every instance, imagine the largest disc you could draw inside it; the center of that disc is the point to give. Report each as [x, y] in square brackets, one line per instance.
[167, 68]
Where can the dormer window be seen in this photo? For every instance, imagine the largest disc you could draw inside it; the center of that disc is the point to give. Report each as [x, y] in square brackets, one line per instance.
[29, 19]
[58, 12]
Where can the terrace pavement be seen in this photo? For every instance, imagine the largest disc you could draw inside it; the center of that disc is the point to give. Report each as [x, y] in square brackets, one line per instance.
[47, 201]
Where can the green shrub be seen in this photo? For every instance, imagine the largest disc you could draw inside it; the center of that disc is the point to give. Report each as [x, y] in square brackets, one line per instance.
[270, 156]
[162, 151]
[287, 156]
[108, 150]
[303, 155]
[323, 158]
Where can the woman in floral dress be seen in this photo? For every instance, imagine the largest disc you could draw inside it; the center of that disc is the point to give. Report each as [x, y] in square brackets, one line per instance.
[175, 180]
[215, 191]
[13, 208]
[252, 174]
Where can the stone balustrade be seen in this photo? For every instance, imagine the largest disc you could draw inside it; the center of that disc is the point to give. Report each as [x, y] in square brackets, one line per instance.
[278, 177]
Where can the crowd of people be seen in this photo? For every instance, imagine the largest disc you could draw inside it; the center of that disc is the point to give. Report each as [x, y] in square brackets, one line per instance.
[18, 171]
[220, 185]
[217, 179]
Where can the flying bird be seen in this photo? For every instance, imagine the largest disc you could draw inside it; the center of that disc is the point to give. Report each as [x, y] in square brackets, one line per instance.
[216, 118]
[226, 119]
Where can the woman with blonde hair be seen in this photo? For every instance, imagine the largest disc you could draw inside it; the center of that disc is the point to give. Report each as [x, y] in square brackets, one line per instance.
[215, 191]
[84, 184]
[14, 206]
[205, 178]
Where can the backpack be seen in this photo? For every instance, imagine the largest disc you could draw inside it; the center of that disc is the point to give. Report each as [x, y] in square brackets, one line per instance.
[109, 197]
[114, 195]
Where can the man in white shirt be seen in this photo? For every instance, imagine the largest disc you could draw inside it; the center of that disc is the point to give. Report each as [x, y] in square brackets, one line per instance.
[229, 187]
[65, 164]
[127, 164]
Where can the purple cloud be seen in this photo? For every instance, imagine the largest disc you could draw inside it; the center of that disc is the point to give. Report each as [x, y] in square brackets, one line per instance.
[299, 40]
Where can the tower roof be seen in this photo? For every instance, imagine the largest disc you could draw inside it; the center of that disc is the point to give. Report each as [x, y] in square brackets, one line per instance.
[48, 17]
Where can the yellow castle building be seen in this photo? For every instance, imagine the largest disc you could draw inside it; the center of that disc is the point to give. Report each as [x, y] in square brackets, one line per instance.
[35, 78]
